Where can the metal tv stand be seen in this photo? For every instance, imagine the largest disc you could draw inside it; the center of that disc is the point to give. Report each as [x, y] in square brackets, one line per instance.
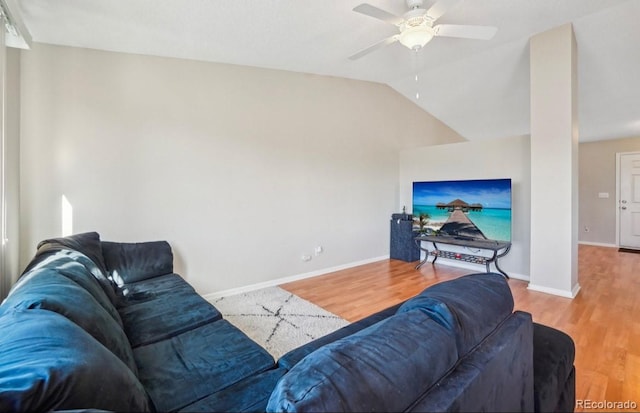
[499, 248]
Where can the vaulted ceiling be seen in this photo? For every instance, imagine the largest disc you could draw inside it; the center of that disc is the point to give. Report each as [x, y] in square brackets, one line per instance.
[480, 88]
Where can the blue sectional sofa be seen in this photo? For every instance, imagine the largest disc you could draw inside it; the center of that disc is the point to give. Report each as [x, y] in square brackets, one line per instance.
[105, 325]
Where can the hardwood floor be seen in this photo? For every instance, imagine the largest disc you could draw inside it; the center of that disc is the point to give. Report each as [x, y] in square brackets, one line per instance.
[603, 320]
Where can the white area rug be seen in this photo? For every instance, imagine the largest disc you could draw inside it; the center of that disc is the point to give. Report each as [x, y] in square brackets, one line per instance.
[276, 319]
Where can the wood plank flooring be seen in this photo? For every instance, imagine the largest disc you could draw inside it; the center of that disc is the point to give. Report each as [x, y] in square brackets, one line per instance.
[603, 320]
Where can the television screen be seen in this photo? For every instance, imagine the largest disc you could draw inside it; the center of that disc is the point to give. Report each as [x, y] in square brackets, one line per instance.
[472, 209]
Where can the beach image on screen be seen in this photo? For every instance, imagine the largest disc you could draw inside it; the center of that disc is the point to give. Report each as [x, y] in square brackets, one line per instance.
[478, 209]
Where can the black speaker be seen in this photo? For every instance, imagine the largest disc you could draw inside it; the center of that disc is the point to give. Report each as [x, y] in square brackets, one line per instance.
[403, 247]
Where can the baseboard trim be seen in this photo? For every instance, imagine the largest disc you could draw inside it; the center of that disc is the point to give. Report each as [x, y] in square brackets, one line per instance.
[555, 291]
[292, 278]
[598, 244]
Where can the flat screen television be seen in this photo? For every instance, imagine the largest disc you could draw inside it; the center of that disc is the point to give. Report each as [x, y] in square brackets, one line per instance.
[470, 209]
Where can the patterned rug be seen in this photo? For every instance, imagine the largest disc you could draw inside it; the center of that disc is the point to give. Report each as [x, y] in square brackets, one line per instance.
[276, 319]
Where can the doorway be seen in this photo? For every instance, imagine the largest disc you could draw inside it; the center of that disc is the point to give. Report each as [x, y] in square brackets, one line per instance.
[628, 197]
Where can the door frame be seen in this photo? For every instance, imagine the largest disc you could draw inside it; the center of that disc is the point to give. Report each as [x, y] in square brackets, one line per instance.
[618, 157]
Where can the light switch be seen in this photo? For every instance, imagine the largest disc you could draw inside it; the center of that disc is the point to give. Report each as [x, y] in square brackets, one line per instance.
[603, 195]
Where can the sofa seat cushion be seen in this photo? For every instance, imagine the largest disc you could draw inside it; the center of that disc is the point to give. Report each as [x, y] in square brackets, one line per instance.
[384, 367]
[49, 363]
[149, 289]
[291, 358]
[188, 367]
[55, 292]
[471, 306]
[553, 357]
[130, 262]
[166, 315]
[248, 395]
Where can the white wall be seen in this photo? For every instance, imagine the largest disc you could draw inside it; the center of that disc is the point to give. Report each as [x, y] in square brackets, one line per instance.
[485, 159]
[242, 170]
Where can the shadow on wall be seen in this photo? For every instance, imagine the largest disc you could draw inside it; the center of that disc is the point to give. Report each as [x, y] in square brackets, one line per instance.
[179, 264]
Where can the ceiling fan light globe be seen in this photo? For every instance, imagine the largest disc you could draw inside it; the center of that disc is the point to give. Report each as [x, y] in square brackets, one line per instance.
[415, 38]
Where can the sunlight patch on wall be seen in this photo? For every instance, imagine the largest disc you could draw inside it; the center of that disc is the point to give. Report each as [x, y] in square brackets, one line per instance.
[67, 217]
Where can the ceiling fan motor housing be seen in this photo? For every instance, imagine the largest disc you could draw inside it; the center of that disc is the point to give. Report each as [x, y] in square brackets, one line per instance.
[416, 17]
[414, 3]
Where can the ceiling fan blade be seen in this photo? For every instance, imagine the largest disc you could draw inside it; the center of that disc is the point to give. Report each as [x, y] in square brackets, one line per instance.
[377, 13]
[441, 7]
[464, 31]
[380, 44]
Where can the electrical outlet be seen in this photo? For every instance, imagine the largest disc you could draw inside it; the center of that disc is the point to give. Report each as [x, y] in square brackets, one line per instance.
[319, 250]
[306, 258]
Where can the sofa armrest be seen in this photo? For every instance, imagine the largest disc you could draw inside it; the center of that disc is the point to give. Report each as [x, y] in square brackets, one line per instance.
[132, 262]
[554, 373]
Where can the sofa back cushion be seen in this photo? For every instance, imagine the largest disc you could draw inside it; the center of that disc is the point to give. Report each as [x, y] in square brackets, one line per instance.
[48, 290]
[384, 367]
[86, 244]
[471, 307]
[74, 266]
[132, 262]
[49, 363]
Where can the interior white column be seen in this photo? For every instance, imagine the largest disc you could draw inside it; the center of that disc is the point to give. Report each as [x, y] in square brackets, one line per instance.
[554, 162]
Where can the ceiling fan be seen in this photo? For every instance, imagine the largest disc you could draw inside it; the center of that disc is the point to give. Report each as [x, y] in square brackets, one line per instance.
[416, 25]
